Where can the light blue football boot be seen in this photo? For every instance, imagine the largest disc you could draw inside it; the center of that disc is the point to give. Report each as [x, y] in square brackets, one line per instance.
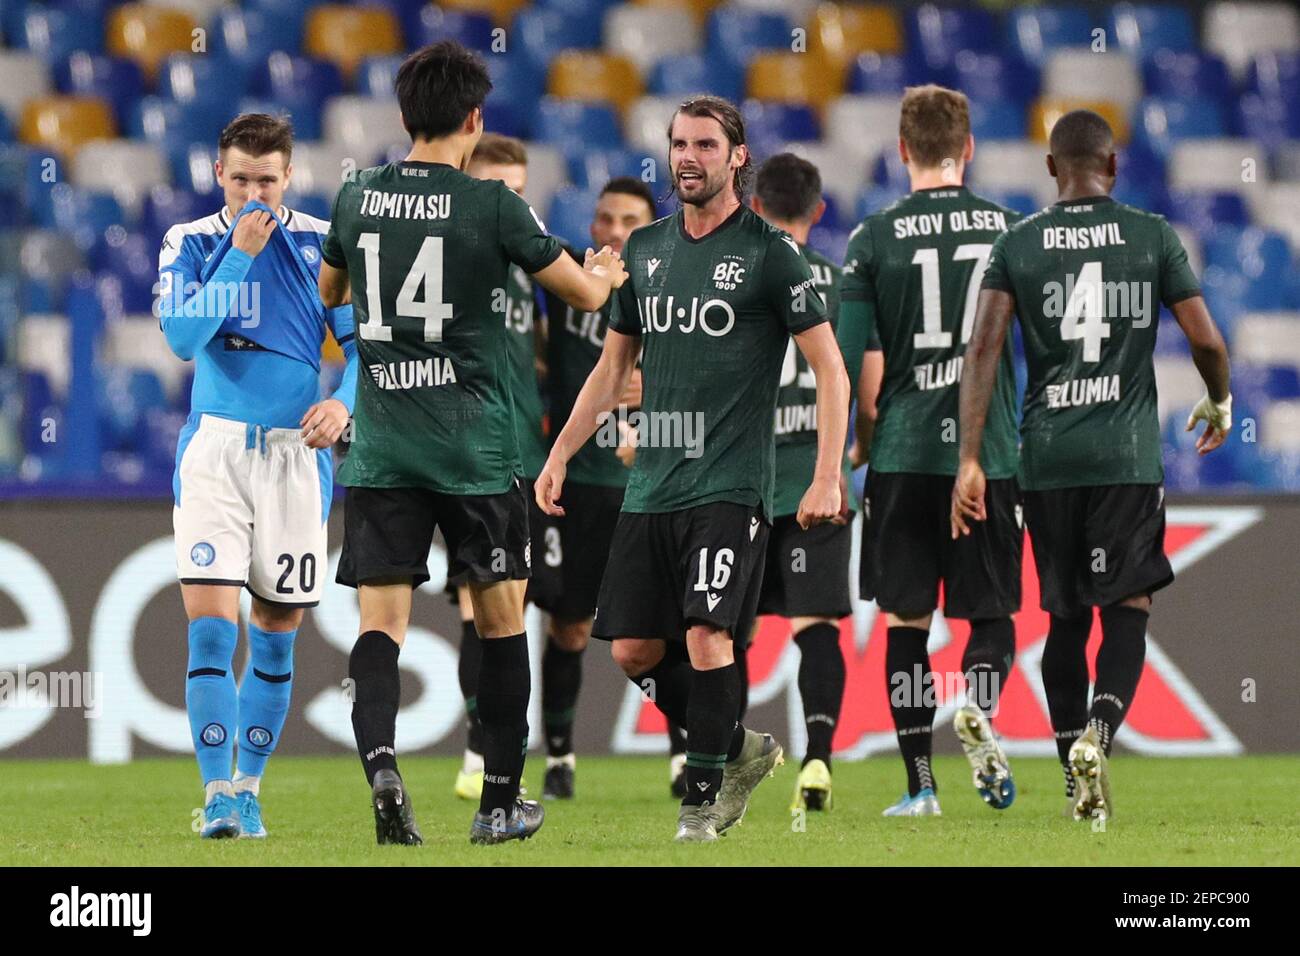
[220, 818]
[924, 804]
[250, 816]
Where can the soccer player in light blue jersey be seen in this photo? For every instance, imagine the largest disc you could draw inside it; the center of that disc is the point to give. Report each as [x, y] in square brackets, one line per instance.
[253, 474]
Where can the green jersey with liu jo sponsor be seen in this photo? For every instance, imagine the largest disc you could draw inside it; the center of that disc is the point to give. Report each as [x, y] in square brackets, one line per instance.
[918, 265]
[796, 402]
[522, 343]
[428, 252]
[714, 316]
[574, 343]
[1089, 276]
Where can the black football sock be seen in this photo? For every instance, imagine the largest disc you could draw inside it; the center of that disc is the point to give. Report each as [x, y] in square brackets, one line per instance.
[668, 683]
[821, 685]
[908, 683]
[1065, 682]
[676, 739]
[1119, 668]
[990, 652]
[376, 693]
[467, 668]
[561, 680]
[503, 688]
[714, 703]
[741, 656]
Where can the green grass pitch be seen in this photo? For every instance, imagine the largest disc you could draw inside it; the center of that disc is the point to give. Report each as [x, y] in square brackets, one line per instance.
[1184, 812]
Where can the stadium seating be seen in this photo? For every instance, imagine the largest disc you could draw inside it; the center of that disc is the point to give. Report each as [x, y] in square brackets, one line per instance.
[109, 116]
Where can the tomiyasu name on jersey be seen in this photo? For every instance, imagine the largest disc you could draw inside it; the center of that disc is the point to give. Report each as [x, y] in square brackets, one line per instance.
[253, 325]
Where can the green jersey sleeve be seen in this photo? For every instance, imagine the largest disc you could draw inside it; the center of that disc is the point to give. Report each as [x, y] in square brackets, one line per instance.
[524, 240]
[331, 250]
[856, 284]
[996, 275]
[1177, 281]
[623, 316]
[790, 287]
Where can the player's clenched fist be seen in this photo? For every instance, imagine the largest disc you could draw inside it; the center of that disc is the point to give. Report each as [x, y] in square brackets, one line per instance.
[822, 502]
[549, 484]
[606, 262]
[252, 232]
[323, 423]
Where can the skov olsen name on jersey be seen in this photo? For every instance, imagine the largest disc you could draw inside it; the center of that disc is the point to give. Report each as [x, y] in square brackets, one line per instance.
[959, 220]
[416, 373]
[376, 203]
[1083, 391]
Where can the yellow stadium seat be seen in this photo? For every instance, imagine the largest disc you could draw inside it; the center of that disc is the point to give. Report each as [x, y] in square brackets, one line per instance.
[501, 11]
[1046, 110]
[346, 35]
[65, 123]
[840, 32]
[794, 78]
[149, 34]
[581, 75]
[699, 8]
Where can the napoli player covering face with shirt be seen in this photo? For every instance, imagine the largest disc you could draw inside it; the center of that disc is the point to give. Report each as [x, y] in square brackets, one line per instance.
[712, 295]
[426, 251]
[253, 473]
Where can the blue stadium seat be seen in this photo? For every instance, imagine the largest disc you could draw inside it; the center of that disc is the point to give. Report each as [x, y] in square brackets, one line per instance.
[314, 204]
[203, 80]
[119, 82]
[833, 217]
[1162, 121]
[82, 214]
[169, 123]
[126, 293]
[541, 34]
[1034, 32]
[1225, 290]
[56, 33]
[888, 170]
[997, 119]
[1142, 194]
[162, 428]
[377, 75]
[39, 296]
[879, 73]
[696, 72]
[13, 15]
[1023, 203]
[292, 80]
[1205, 212]
[1171, 73]
[591, 169]
[517, 87]
[570, 215]
[736, 34]
[1261, 257]
[768, 126]
[1140, 29]
[166, 206]
[988, 76]
[129, 255]
[305, 116]
[1275, 74]
[1270, 120]
[936, 34]
[432, 23]
[570, 125]
[6, 128]
[592, 9]
[249, 36]
[291, 14]
[872, 199]
[1139, 161]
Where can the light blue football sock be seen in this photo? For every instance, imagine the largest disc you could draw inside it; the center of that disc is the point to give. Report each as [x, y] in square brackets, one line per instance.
[210, 696]
[264, 696]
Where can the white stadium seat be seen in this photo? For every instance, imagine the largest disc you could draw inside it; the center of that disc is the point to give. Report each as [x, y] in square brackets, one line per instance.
[126, 168]
[132, 341]
[1278, 207]
[1081, 74]
[23, 76]
[646, 125]
[1279, 427]
[364, 125]
[1286, 162]
[864, 124]
[1014, 165]
[1192, 243]
[1178, 386]
[44, 345]
[843, 171]
[320, 167]
[646, 35]
[50, 255]
[1218, 164]
[547, 172]
[1267, 338]
[1238, 31]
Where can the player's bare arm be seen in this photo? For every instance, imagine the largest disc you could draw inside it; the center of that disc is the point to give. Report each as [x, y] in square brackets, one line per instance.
[868, 393]
[585, 287]
[1210, 355]
[979, 372]
[825, 497]
[607, 382]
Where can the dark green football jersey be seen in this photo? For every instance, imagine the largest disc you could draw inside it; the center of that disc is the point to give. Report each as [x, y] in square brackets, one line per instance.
[918, 263]
[714, 316]
[428, 252]
[522, 343]
[574, 342]
[1088, 277]
[796, 402]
